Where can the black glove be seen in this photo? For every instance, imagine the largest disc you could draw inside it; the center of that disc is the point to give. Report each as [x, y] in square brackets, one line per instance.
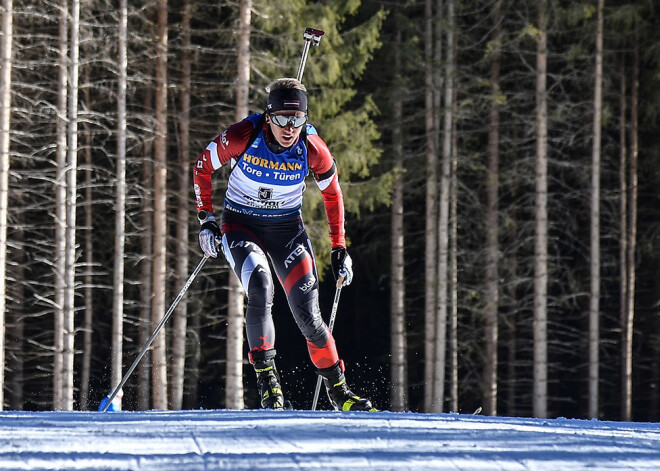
[342, 265]
[209, 233]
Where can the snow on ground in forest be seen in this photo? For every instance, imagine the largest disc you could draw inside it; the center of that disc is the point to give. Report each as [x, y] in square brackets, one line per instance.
[281, 440]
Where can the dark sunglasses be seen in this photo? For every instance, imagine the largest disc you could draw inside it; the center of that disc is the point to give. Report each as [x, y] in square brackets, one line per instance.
[288, 120]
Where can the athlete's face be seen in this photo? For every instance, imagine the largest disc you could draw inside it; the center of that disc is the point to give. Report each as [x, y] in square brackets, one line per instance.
[288, 134]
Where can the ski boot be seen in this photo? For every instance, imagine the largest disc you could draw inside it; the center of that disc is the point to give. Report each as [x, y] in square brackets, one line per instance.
[340, 396]
[268, 381]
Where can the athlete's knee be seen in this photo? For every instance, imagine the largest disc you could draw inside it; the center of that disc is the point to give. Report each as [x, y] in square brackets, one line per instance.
[307, 314]
[260, 289]
[318, 335]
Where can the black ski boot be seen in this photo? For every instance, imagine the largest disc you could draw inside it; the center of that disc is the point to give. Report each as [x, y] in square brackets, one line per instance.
[268, 380]
[340, 396]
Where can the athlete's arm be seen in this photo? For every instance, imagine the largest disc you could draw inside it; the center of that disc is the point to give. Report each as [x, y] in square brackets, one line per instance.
[226, 146]
[324, 169]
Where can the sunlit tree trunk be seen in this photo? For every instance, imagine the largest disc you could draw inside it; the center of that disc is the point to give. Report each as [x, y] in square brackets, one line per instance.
[398, 367]
[71, 207]
[60, 206]
[5, 114]
[540, 387]
[594, 299]
[86, 354]
[439, 360]
[235, 322]
[180, 321]
[120, 204]
[492, 226]
[159, 358]
[234, 392]
[632, 235]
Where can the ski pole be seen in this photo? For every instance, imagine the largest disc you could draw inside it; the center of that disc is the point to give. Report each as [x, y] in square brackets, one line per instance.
[333, 314]
[158, 327]
[312, 37]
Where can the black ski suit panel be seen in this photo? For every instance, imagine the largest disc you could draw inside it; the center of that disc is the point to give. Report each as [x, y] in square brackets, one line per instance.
[248, 243]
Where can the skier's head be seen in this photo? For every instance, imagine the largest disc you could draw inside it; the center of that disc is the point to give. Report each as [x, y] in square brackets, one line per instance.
[286, 110]
[286, 94]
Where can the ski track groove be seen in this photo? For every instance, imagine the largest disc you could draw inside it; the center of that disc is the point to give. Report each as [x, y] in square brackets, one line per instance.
[201, 452]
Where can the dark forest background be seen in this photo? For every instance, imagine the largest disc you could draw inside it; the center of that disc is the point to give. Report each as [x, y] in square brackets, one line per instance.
[368, 88]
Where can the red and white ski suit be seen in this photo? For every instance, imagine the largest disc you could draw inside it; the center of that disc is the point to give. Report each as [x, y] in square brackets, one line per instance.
[261, 221]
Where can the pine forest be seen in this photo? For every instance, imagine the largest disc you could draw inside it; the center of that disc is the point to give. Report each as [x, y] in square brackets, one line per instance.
[500, 164]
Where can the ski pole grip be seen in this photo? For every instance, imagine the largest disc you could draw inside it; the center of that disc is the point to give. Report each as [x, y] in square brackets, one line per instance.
[314, 35]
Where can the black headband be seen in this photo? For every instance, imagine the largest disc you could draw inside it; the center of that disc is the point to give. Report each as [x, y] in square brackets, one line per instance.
[283, 99]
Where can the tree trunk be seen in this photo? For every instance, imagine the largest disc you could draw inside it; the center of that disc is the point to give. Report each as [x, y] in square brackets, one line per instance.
[431, 233]
[5, 114]
[438, 85]
[15, 342]
[191, 399]
[511, 334]
[86, 360]
[540, 387]
[492, 226]
[146, 264]
[71, 206]
[623, 244]
[443, 226]
[398, 367]
[594, 299]
[88, 321]
[180, 321]
[632, 233]
[60, 208]
[87, 329]
[453, 259]
[234, 395]
[159, 358]
[120, 205]
[511, 262]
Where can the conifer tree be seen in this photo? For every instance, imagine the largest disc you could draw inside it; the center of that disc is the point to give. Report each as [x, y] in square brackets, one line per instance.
[344, 120]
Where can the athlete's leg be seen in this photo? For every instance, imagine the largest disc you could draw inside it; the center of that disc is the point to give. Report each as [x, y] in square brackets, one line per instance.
[247, 259]
[293, 260]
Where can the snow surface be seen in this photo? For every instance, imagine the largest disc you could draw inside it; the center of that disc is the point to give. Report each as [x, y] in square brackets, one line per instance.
[281, 440]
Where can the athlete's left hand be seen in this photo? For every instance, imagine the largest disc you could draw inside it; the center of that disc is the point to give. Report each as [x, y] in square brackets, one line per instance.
[342, 265]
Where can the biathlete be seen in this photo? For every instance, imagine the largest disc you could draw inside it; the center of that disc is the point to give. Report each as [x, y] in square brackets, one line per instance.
[270, 155]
